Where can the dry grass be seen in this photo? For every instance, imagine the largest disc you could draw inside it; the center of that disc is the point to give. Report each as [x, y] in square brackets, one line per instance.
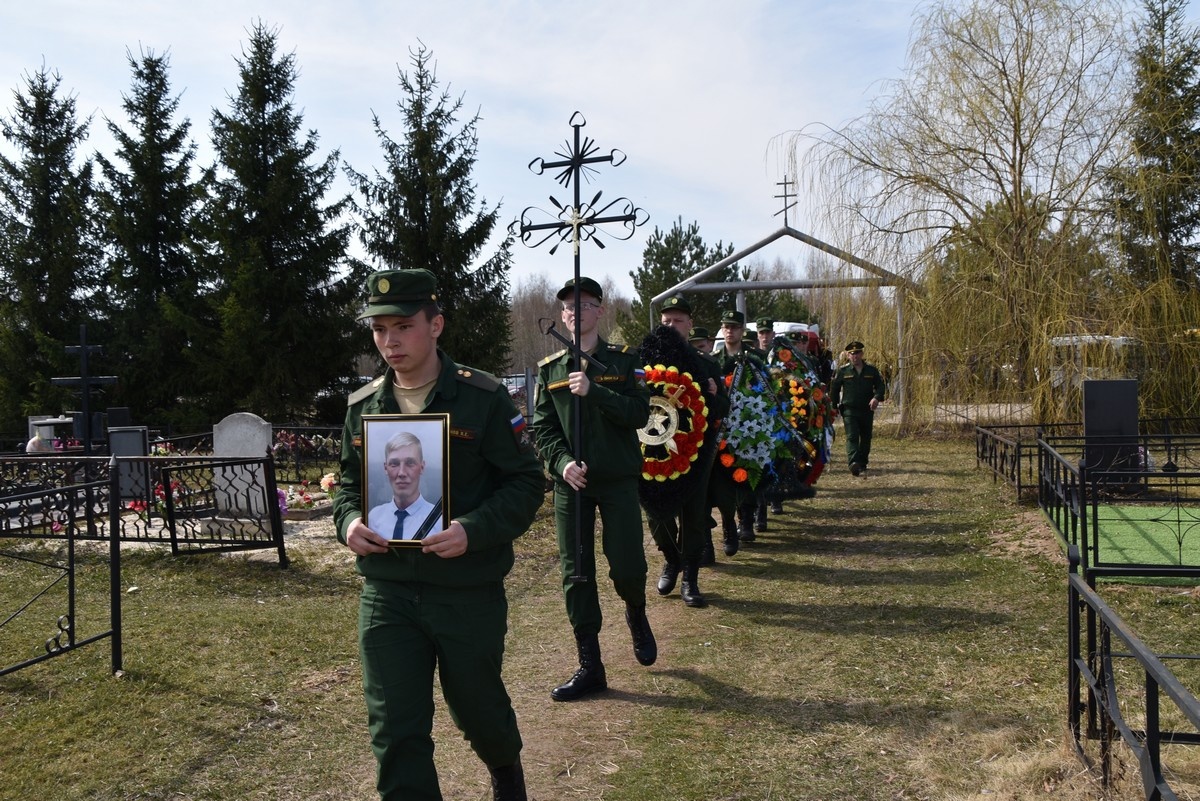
[898, 637]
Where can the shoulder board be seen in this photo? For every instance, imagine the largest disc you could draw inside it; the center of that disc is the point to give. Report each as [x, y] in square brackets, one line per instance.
[477, 378]
[619, 348]
[552, 357]
[365, 391]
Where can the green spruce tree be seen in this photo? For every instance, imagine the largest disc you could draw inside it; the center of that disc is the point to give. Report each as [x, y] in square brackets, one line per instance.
[421, 212]
[156, 290]
[1156, 194]
[49, 257]
[283, 291]
[668, 258]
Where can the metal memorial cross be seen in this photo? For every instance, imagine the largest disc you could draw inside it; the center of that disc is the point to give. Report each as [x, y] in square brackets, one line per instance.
[86, 383]
[786, 196]
[577, 223]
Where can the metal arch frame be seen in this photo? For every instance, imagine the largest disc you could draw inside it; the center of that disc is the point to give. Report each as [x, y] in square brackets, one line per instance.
[883, 277]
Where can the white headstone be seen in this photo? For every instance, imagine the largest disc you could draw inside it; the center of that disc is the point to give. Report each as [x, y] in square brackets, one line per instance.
[241, 490]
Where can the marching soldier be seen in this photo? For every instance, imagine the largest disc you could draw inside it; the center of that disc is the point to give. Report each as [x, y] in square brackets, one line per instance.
[602, 473]
[441, 604]
[727, 495]
[693, 522]
[857, 391]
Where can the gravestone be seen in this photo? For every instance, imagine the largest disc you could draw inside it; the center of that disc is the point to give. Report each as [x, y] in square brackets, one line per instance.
[241, 490]
[1110, 424]
[133, 477]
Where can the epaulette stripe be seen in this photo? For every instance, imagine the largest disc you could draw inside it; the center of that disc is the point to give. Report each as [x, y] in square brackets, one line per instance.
[365, 392]
[551, 357]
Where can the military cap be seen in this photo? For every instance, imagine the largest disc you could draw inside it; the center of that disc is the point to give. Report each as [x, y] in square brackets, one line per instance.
[401, 293]
[733, 317]
[585, 285]
[763, 323]
[677, 303]
[697, 333]
[854, 347]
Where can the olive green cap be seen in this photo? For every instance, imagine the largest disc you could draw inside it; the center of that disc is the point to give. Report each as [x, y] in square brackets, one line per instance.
[586, 284]
[400, 293]
[764, 322]
[699, 332]
[677, 303]
[854, 347]
[733, 317]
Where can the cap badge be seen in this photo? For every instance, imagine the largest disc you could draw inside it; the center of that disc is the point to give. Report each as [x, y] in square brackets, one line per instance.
[383, 286]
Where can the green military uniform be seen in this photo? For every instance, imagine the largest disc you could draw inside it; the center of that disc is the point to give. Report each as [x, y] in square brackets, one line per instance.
[728, 495]
[851, 392]
[418, 610]
[686, 539]
[616, 406]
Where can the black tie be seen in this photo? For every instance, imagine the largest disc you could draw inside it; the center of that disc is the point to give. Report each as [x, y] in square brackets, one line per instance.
[398, 532]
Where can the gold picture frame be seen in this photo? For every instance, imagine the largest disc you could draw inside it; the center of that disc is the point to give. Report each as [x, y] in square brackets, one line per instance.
[406, 468]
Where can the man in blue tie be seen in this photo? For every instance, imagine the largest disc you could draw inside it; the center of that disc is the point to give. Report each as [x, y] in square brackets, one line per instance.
[407, 515]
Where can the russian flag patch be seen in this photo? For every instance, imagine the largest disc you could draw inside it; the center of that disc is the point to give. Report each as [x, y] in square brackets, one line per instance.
[518, 424]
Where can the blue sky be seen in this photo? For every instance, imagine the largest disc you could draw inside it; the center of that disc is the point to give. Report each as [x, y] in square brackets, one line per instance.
[696, 94]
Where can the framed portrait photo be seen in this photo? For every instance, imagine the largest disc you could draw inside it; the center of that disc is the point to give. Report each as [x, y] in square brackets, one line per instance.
[406, 475]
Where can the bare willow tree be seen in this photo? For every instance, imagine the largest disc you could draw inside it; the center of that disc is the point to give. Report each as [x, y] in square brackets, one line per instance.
[978, 176]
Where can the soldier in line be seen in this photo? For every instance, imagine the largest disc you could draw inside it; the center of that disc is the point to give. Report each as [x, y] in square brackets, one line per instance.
[857, 391]
[765, 328]
[728, 495]
[701, 340]
[440, 604]
[601, 472]
[693, 523]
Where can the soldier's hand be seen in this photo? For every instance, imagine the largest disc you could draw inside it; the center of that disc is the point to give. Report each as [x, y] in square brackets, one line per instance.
[575, 474]
[362, 540]
[447, 544]
[874, 404]
[579, 383]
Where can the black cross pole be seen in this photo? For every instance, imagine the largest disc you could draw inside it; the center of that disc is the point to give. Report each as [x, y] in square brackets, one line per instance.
[86, 382]
[577, 223]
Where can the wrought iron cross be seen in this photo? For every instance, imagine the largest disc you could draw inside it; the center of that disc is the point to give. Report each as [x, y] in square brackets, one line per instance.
[577, 223]
[786, 196]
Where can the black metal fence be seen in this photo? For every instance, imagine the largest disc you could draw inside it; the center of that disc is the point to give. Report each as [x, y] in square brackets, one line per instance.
[1113, 692]
[195, 504]
[1092, 485]
[41, 587]
[1010, 452]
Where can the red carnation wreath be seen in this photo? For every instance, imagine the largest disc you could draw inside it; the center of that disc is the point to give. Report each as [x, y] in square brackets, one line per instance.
[672, 438]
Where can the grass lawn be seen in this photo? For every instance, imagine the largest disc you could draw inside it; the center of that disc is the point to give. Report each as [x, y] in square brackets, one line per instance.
[900, 636]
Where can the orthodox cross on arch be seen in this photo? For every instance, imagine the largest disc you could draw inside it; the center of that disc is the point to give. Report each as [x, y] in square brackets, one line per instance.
[786, 196]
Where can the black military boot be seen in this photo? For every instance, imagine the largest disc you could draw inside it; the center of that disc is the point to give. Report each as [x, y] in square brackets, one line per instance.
[644, 646]
[746, 522]
[670, 574]
[729, 529]
[508, 782]
[690, 589]
[708, 554]
[590, 677]
[760, 522]
[776, 507]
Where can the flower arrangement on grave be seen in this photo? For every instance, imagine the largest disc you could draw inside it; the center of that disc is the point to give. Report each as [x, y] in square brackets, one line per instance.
[299, 497]
[330, 483]
[162, 448]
